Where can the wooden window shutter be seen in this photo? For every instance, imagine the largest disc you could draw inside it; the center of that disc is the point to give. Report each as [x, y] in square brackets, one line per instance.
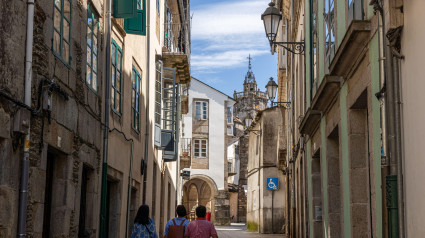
[124, 8]
[137, 25]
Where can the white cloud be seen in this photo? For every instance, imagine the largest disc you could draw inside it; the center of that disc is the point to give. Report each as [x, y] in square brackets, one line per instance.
[225, 33]
[227, 18]
[222, 60]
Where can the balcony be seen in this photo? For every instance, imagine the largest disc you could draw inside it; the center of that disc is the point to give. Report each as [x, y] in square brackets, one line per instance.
[185, 152]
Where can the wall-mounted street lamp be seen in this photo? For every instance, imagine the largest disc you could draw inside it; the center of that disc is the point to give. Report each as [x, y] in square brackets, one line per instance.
[271, 18]
[271, 93]
[248, 122]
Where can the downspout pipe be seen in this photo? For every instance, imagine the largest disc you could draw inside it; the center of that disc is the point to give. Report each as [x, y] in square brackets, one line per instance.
[146, 154]
[23, 192]
[103, 225]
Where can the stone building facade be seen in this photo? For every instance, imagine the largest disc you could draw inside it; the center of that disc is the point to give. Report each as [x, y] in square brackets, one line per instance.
[248, 103]
[266, 207]
[335, 116]
[206, 127]
[66, 116]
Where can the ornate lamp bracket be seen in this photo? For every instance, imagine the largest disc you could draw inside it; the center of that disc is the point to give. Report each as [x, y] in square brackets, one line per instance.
[296, 47]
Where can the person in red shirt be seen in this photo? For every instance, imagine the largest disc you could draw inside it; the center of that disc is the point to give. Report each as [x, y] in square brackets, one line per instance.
[200, 228]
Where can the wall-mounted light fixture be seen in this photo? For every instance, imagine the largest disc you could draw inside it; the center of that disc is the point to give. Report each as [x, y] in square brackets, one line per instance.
[271, 18]
[271, 93]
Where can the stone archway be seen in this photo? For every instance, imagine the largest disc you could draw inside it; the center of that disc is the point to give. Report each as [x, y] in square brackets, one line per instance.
[199, 190]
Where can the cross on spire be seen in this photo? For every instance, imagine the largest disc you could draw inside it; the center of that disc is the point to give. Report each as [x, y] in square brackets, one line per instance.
[249, 64]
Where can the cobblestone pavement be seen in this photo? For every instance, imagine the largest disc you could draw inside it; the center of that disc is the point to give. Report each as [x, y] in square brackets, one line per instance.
[237, 230]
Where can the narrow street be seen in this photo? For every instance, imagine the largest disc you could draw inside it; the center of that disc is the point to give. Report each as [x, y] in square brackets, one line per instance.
[238, 230]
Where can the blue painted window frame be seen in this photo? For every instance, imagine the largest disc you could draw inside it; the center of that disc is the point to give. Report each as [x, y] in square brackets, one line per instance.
[92, 49]
[62, 49]
[116, 77]
[135, 99]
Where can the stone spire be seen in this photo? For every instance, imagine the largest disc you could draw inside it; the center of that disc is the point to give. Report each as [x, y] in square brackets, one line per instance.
[250, 84]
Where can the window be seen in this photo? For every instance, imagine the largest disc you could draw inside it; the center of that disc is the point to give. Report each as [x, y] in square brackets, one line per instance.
[229, 115]
[116, 76]
[158, 92]
[200, 148]
[168, 103]
[62, 29]
[135, 100]
[168, 36]
[315, 51]
[355, 10]
[230, 130]
[137, 23]
[92, 44]
[201, 110]
[329, 31]
[229, 167]
[157, 7]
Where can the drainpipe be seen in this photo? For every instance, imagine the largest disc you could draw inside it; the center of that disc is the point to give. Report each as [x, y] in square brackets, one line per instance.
[399, 143]
[148, 33]
[380, 95]
[103, 209]
[23, 193]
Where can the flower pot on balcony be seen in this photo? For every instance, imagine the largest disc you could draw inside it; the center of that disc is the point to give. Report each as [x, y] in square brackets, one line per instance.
[185, 153]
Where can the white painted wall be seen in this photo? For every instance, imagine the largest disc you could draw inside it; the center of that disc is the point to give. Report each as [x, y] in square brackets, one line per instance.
[413, 97]
[217, 129]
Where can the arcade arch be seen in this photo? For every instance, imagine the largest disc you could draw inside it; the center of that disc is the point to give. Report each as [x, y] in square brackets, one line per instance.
[200, 190]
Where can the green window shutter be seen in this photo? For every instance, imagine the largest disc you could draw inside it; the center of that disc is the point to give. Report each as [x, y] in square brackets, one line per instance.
[137, 25]
[124, 8]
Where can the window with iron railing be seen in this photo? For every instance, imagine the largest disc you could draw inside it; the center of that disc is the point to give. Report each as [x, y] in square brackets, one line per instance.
[186, 144]
[329, 32]
[314, 55]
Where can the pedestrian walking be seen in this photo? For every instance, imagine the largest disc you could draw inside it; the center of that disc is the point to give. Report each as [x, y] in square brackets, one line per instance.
[144, 227]
[176, 227]
[200, 228]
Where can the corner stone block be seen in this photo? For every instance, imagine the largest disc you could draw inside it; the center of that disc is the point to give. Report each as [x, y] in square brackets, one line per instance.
[7, 205]
[5, 124]
[37, 183]
[38, 216]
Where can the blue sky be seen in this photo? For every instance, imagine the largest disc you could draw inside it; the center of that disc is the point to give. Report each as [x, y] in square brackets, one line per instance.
[224, 33]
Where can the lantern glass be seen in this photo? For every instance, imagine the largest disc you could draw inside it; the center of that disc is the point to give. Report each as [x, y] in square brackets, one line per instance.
[248, 122]
[271, 18]
[271, 89]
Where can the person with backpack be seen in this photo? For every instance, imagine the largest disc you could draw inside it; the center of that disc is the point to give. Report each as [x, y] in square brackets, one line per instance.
[200, 228]
[144, 227]
[176, 227]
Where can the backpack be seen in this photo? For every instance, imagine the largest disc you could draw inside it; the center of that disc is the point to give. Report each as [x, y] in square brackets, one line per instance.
[176, 231]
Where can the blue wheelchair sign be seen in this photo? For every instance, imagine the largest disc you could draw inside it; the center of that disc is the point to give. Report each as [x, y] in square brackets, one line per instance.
[273, 183]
